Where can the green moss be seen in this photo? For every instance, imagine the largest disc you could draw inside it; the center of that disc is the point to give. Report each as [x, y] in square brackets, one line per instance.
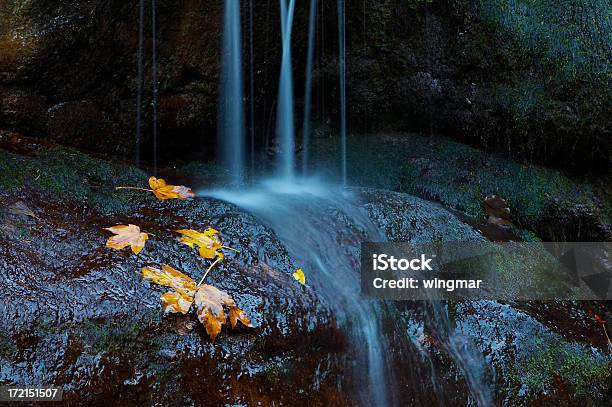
[7, 345]
[110, 336]
[66, 172]
[587, 375]
[11, 175]
[272, 375]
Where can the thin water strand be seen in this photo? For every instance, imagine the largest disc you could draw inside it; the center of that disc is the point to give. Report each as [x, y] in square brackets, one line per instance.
[231, 134]
[252, 86]
[342, 69]
[285, 129]
[140, 80]
[308, 86]
[154, 80]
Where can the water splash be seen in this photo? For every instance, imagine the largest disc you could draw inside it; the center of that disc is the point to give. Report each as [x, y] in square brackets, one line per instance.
[285, 129]
[342, 69]
[230, 138]
[308, 85]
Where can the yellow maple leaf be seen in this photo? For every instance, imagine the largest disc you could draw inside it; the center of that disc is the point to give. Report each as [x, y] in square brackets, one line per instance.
[209, 242]
[172, 302]
[300, 276]
[164, 191]
[125, 236]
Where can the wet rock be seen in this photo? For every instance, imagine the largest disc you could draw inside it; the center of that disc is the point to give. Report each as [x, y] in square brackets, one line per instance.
[23, 111]
[77, 314]
[80, 124]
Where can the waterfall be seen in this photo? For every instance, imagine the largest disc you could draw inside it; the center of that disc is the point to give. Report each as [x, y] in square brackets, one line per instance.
[285, 130]
[251, 86]
[140, 80]
[342, 69]
[310, 219]
[230, 136]
[308, 86]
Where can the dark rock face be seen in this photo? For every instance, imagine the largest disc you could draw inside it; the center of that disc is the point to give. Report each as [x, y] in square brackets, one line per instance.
[77, 314]
[440, 67]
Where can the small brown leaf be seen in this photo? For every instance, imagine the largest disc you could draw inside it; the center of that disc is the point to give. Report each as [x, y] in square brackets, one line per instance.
[19, 208]
[236, 314]
[127, 236]
[498, 212]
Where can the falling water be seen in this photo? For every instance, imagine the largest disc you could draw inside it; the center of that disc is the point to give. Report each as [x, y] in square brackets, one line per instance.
[231, 143]
[285, 130]
[251, 86]
[140, 81]
[308, 86]
[310, 219]
[342, 68]
[154, 80]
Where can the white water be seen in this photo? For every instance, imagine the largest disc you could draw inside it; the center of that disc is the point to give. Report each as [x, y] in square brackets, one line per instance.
[342, 68]
[322, 228]
[285, 129]
[230, 138]
[308, 85]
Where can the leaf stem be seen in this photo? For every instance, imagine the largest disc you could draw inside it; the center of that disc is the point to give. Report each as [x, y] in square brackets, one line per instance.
[135, 188]
[230, 248]
[208, 270]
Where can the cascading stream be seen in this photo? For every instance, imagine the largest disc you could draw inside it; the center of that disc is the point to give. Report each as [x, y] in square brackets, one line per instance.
[310, 220]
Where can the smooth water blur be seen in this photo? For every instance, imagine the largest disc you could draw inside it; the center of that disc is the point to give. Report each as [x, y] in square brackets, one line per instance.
[322, 228]
[231, 143]
[285, 128]
[342, 68]
[308, 86]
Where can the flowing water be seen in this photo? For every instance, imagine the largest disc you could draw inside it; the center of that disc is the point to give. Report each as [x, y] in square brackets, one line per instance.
[322, 229]
[251, 87]
[231, 143]
[321, 226]
[285, 130]
[154, 80]
[140, 80]
[342, 68]
[312, 24]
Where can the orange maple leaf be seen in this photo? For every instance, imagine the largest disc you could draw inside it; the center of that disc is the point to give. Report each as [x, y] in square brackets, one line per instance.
[209, 301]
[125, 236]
[164, 191]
